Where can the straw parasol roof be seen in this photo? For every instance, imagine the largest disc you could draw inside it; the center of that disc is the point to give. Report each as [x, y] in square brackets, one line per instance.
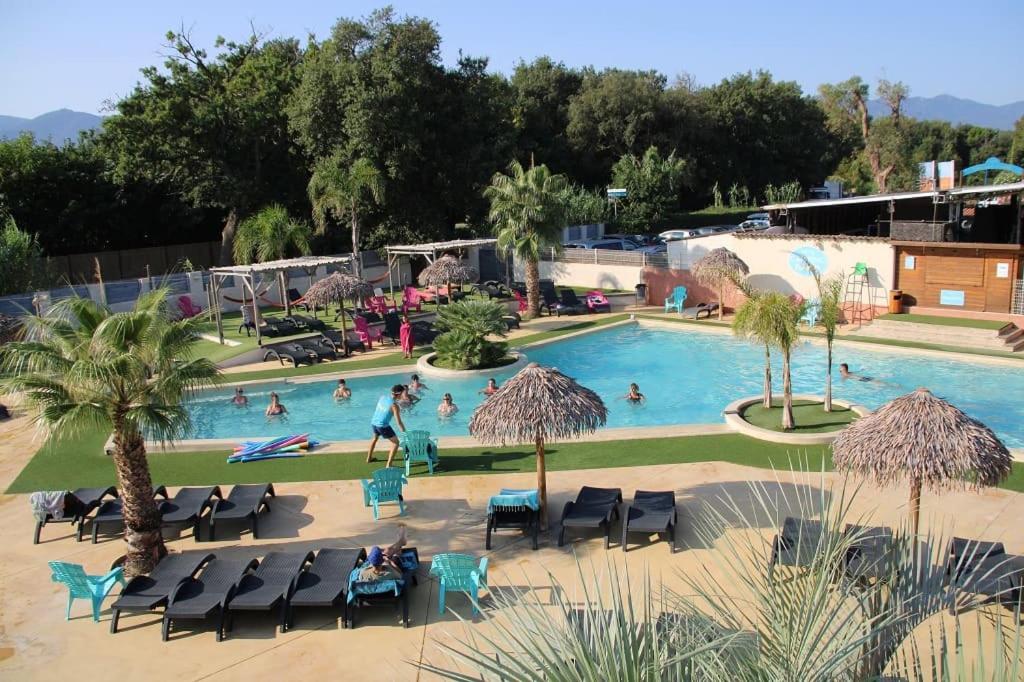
[536, 405]
[718, 267]
[448, 269]
[924, 440]
[337, 287]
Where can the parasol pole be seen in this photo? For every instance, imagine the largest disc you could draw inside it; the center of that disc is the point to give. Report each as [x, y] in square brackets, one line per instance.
[542, 484]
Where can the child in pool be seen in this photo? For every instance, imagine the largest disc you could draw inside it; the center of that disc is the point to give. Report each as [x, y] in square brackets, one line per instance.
[415, 385]
[634, 395]
[406, 399]
[490, 389]
[447, 407]
[342, 392]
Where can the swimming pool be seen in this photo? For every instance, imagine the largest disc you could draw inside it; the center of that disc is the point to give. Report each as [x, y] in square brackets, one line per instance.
[687, 376]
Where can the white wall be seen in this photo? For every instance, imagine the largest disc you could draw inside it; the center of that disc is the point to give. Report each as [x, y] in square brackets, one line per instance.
[769, 258]
[585, 274]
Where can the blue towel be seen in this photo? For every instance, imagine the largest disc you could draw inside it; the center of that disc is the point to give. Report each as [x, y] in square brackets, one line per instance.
[357, 587]
[510, 497]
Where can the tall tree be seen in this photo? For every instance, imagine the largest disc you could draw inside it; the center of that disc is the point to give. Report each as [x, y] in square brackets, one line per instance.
[340, 192]
[542, 90]
[20, 258]
[830, 312]
[654, 184]
[85, 368]
[528, 215]
[214, 128]
[270, 234]
[771, 319]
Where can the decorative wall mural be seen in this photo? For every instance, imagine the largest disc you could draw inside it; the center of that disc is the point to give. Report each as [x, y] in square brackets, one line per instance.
[814, 256]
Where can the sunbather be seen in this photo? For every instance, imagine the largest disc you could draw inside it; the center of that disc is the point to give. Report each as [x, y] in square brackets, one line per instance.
[447, 407]
[240, 399]
[342, 392]
[276, 407]
[384, 564]
[634, 395]
[490, 389]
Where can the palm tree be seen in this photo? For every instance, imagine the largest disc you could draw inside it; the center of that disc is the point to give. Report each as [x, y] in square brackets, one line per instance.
[271, 234]
[527, 212]
[830, 311]
[83, 367]
[338, 190]
[771, 318]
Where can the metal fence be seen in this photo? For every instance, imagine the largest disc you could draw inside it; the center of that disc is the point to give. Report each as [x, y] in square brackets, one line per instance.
[608, 257]
[1017, 299]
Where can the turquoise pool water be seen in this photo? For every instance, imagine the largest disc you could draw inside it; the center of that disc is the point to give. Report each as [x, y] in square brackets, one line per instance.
[688, 377]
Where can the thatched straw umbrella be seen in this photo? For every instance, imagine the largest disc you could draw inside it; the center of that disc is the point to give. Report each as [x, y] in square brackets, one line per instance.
[716, 269]
[337, 287]
[925, 440]
[445, 270]
[536, 405]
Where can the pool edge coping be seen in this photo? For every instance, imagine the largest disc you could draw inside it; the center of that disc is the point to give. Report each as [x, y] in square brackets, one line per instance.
[733, 411]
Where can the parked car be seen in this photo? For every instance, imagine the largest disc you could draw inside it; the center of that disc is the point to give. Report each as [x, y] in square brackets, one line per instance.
[750, 225]
[605, 244]
[676, 235]
[654, 248]
[722, 229]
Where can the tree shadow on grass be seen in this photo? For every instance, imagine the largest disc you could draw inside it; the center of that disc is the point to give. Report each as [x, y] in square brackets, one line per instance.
[487, 462]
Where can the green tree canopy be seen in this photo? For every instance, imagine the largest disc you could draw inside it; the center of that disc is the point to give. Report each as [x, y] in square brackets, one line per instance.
[542, 90]
[654, 183]
[271, 234]
[20, 258]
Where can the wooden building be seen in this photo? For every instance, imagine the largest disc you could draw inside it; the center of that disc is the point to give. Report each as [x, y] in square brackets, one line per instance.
[943, 276]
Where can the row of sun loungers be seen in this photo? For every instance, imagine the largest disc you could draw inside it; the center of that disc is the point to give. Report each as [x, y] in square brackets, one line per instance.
[186, 508]
[598, 508]
[195, 586]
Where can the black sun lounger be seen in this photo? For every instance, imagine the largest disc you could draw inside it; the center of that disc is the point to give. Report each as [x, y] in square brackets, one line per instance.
[243, 503]
[695, 311]
[335, 338]
[147, 592]
[325, 584]
[187, 506]
[307, 322]
[797, 542]
[199, 598]
[651, 512]
[985, 569]
[294, 353]
[110, 513]
[320, 346]
[271, 585]
[593, 508]
[78, 504]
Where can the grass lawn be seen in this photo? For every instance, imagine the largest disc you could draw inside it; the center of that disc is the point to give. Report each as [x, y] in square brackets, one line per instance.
[946, 321]
[807, 414]
[80, 462]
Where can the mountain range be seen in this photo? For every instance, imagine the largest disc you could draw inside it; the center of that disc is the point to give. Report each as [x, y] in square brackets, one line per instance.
[956, 110]
[56, 126]
[64, 124]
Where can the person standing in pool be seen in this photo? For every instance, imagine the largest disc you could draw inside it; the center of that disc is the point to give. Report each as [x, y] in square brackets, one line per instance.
[634, 395]
[490, 389]
[416, 386]
[387, 409]
[240, 399]
[276, 408]
[342, 392]
[447, 407]
[405, 337]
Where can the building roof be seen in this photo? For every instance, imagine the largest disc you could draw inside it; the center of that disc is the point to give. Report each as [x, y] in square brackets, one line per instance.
[432, 248]
[1007, 188]
[279, 265]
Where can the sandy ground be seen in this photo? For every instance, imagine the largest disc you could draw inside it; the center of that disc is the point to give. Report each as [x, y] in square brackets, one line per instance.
[444, 514]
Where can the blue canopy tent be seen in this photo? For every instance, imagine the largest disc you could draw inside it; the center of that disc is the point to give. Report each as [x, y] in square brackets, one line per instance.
[991, 164]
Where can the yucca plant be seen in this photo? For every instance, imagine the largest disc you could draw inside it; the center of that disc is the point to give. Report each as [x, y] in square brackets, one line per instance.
[83, 367]
[742, 618]
[466, 326]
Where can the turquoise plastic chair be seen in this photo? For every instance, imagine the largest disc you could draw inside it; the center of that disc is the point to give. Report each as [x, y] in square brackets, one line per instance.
[812, 313]
[677, 300]
[459, 573]
[418, 446]
[82, 586]
[386, 486]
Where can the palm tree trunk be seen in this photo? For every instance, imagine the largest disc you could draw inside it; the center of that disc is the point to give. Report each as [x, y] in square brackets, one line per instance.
[356, 262]
[767, 377]
[227, 237]
[533, 287]
[828, 375]
[141, 515]
[542, 484]
[787, 394]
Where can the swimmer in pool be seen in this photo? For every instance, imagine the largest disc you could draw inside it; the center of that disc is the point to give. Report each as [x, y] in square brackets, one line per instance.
[447, 407]
[490, 389]
[342, 392]
[276, 407]
[634, 395]
[240, 398]
[415, 385]
[845, 373]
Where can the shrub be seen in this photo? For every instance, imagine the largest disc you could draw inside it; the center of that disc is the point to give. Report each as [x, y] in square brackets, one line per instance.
[466, 326]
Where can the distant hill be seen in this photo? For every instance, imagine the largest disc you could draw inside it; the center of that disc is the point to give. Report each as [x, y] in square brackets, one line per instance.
[55, 126]
[955, 111]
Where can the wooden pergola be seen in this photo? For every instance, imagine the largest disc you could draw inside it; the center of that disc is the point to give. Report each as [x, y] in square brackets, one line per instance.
[430, 251]
[271, 269]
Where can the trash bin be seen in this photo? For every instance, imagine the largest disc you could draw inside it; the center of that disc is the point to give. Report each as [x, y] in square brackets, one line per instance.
[895, 301]
[641, 295]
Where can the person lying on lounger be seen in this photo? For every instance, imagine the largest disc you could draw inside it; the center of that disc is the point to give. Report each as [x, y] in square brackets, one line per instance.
[240, 398]
[634, 395]
[384, 564]
[276, 407]
[342, 392]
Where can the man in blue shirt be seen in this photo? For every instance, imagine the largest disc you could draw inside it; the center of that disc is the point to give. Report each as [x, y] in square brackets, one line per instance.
[381, 422]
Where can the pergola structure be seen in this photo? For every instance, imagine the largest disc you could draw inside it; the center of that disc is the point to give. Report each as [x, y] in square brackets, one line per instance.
[272, 269]
[430, 251]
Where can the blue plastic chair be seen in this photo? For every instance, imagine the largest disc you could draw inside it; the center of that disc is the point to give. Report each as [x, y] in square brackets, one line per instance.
[82, 586]
[386, 486]
[812, 313]
[418, 446]
[459, 573]
[677, 301]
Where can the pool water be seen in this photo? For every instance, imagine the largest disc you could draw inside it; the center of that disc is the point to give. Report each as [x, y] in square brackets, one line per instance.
[687, 378]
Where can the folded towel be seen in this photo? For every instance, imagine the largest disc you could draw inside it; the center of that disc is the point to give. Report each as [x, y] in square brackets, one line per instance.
[510, 497]
[47, 503]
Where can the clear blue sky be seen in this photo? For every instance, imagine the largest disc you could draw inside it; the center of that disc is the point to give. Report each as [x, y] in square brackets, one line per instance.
[78, 55]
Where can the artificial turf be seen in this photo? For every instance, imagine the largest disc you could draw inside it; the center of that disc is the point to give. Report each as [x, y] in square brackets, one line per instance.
[81, 462]
[807, 415]
[944, 321]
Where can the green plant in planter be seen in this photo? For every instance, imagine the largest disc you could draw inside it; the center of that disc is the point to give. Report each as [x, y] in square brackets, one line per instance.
[466, 326]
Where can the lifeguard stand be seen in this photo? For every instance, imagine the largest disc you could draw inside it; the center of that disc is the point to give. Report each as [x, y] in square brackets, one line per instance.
[855, 309]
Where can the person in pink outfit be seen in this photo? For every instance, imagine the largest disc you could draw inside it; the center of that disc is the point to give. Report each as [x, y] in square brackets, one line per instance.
[405, 337]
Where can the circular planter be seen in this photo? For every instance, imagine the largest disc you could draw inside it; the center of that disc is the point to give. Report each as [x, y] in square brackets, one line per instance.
[425, 368]
[734, 419]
